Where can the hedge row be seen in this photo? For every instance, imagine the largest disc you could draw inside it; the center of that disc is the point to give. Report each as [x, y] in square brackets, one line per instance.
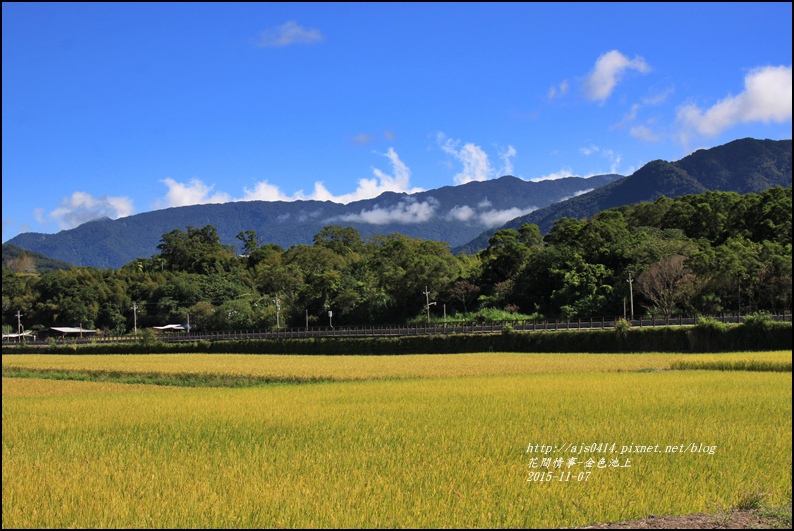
[705, 337]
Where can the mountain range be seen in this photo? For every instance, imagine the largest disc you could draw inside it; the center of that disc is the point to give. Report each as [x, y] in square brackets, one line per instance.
[454, 214]
[465, 216]
[742, 166]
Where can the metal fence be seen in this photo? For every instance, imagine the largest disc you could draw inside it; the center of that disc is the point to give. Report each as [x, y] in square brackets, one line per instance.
[592, 323]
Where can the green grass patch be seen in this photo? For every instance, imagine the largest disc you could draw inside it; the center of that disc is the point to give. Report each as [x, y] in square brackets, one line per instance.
[726, 365]
[159, 378]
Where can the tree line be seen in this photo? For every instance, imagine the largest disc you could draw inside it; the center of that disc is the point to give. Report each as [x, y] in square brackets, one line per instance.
[706, 253]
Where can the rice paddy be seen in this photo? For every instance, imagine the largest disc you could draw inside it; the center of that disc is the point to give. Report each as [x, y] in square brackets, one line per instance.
[343, 368]
[397, 441]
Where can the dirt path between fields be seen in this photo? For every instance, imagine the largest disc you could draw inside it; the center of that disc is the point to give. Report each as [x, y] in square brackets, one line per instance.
[749, 519]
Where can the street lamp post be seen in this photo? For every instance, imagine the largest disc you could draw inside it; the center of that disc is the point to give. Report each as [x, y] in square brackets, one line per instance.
[631, 295]
[19, 326]
[428, 303]
[135, 319]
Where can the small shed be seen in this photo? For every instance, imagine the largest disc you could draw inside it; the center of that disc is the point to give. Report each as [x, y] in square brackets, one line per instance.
[169, 328]
[67, 330]
[8, 338]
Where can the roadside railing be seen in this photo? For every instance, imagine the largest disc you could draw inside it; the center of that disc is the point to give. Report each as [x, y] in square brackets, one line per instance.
[522, 325]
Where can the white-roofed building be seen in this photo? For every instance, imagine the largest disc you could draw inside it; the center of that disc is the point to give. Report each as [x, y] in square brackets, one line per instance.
[64, 330]
[170, 328]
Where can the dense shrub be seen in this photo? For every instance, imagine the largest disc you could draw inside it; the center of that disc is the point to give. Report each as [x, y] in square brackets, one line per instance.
[708, 335]
[704, 337]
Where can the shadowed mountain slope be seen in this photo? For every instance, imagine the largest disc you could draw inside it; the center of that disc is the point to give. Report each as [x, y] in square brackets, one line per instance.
[746, 165]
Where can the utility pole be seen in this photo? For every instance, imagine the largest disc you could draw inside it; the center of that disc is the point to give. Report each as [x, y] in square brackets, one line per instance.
[135, 319]
[428, 303]
[631, 294]
[740, 296]
[19, 327]
[188, 323]
[278, 309]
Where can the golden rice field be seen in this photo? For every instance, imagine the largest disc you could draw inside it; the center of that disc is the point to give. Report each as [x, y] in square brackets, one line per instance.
[411, 441]
[375, 367]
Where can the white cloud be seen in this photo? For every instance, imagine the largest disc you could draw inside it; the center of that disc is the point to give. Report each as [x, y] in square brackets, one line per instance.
[81, 207]
[475, 162]
[558, 90]
[264, 191]
[404, 212]
[12, 227]
[195, 193]
[608, 71]
[629, 116]
[565, 172]
[460, 213]
[645, 133]
[494, 218]
[576, 194]
[490, 217]
[614, 159]
[476, 166]
[506, 155]
[399, 182]
[287, 34]
[657, 98]
[766, 98]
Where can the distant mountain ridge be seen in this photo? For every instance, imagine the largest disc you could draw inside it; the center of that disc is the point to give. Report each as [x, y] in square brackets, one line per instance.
[24, 261]
[459, 215]
[453, 214]
[745, 165]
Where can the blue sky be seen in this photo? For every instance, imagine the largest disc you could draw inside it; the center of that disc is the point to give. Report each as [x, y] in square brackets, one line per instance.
[117, 109]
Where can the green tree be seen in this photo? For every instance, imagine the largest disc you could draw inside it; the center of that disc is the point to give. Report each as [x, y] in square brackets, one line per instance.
[201, 315]
[341, 240]
[584, 291]
[197, 251]
[233, 315]
[503, 259]
[250, 241]
[404, 267]
[529, 235]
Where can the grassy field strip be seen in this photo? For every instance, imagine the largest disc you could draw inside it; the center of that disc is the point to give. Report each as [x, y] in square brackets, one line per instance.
[203, 379]
[171, 379]
[445, 452]
[38, 388]
[735, 365]
[375, 367]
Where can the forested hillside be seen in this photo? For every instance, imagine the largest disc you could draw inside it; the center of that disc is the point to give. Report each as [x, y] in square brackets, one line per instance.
[23, 261]
[708, 253]
[454, 214]
[746, 165]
